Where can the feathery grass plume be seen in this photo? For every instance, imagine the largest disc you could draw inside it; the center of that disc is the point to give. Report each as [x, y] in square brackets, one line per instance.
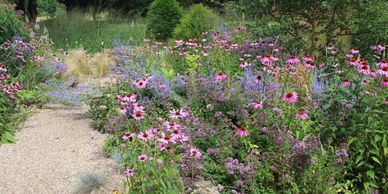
[89, 182]
[80, 63]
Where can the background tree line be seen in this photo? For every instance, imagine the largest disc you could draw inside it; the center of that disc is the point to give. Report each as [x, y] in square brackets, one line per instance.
[308, 23]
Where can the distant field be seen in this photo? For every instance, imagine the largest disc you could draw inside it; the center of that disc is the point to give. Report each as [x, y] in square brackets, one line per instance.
[75, 30]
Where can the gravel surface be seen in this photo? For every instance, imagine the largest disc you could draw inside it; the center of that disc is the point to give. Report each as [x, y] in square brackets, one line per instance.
[53, 149]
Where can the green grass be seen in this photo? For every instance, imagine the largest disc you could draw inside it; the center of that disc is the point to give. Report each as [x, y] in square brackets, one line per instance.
[76, 30]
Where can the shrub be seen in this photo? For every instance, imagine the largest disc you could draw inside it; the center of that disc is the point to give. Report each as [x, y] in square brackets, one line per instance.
[199, 19]
[10, 23]
[163, 17]
[49, 7]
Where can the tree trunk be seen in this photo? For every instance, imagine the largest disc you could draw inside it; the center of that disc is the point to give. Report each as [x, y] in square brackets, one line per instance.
[29, 7]
[313, 26]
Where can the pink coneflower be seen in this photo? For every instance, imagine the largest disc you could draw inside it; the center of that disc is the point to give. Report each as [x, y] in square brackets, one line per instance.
[242, 132]
[3, 68]
[386, 101]
[16, 86]
[346, 83]
[9, 91]
[245, 64]
[302, 114]
[308, 58]
[349, 56]
[354, 51]
[382, 63]
[148, 78]
[383, 71]
[174, 114]
[146, 40]
[128, 136]
[166, 139]
[220, 76]
[309, 65]
[142, 158]
[138, 115]
[247, 55]
[140, 83]
[364, 82]
[194, 152]
[171, 124]
[292, 60]
[259, 78]
[178, 42]
[372, 73]
[268, 59]
[353, 62]
[384, 82]
[5, 76]
[205, 53]
[129, 172]
[145, 136]
[364, 68]
[132, 98]
[182, 138]
[123, 110]
[136, 107]
[290, 97]
[257, 105]
[176, 133]
[165, 147]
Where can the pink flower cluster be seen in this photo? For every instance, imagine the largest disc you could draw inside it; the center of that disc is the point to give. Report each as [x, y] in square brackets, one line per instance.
[129, 106]
[9, 89]
[365, 69]
[164, 138]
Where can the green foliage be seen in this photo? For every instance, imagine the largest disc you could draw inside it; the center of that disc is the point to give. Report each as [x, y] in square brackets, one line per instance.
[163, 16]
[315, 24]
[74, 30]
[31, 97]
[49, 7]
[370, 23]
[197, 20]
[99, 109]
[11, 25]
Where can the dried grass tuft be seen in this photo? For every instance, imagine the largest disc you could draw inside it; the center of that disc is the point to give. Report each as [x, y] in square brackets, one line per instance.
[82, 64]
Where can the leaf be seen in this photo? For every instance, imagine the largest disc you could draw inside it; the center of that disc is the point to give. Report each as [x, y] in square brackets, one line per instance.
[366, 185]
[7, 138]
[376, 160]
[359, 158]
[377, 138]
[371, 174]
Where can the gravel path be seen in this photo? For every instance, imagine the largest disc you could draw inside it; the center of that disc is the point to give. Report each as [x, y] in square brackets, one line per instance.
[53, 149]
